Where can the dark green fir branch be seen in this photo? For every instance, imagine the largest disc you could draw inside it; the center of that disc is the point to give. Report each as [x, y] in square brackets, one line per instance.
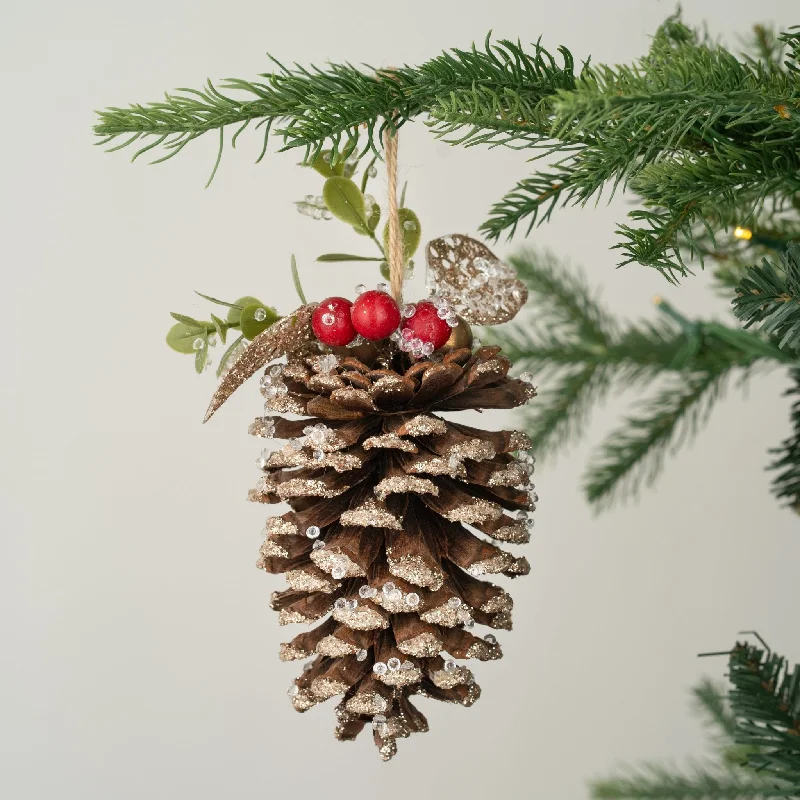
[765, 699]
[769, 297]
[786, 462]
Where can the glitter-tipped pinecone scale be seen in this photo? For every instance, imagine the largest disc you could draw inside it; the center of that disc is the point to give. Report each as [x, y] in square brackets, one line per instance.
[376, 544]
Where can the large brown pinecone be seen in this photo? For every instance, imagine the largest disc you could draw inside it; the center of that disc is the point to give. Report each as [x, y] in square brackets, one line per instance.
[376, 545]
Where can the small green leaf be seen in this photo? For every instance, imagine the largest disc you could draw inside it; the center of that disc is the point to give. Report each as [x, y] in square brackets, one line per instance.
[222, 327]
[374, 217]
[250, 326]
[409, 229]
[201, 357]
[187, 320]
[235, 312]
[345, 201]
[322, 164]
[385, 271]
[227, 355]
[214, 300]
[181, 337]
[346, 257]
[297, 285]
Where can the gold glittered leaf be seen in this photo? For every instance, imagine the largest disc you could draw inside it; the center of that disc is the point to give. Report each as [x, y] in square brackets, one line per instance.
[288, 335]
[483, 289]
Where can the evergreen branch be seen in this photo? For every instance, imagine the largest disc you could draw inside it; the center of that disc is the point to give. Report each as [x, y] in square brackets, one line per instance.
[711, 701]
[634, 454]
[561, 415]
[656, 782]
[769, 296]
[504, 86]
[765, 700]
[786, 484]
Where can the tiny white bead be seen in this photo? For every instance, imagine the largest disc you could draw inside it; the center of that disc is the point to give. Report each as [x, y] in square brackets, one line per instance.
[360, 289]
[412, 599]
[379, 668]
[388, 587]
[337, 573]
[393, 664]
[318, 545]
[361, 655]
[260, 314]
[383, 287]
[352, 605]
[449, 665]
[312, 531]
[454, 602]
[340, 604]
[490, 639]
[197, 344]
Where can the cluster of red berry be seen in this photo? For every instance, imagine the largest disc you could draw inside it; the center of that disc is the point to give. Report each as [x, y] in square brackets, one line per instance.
[376, 315]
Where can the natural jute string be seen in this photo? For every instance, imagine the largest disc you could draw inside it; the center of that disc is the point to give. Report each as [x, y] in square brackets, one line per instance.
[395, 254]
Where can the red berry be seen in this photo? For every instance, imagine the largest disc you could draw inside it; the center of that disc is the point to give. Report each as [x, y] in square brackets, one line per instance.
[375, 315]
[427, 326]
[331, 322]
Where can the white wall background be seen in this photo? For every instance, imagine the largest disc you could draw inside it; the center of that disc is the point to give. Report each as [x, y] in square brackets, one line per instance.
[138, 649]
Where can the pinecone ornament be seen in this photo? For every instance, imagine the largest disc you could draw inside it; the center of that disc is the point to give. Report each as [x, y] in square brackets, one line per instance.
[378, 548]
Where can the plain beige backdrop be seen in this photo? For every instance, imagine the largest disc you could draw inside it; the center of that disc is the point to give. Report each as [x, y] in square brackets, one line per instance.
[139, 655]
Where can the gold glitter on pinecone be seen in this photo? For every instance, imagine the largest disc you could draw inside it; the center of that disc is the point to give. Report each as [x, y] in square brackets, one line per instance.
[376, 547]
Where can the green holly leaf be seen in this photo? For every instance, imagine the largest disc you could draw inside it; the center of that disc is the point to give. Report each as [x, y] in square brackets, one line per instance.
[410, 230]
[345, 201]
[235, 313]
[250, 325]
[181, 337]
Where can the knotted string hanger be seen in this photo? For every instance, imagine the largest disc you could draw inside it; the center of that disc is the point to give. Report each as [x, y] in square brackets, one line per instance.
[395, 256]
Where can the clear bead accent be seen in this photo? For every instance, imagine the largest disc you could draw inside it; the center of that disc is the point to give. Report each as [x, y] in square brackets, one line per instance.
[379, 668]
[454, 602]
[407, 665]
[366, 591]
[340, 604]
[212, 340]
[412, 600]
[293, 690]
[369, 201]
[326, 214]
[469, 623]
[383, 287]
[427, 348]
[393, 664]
[490, 639]
[361, 655]
[388, 588]
[309, 198]
[477, 343]
[442, 312]
[352, 605]
[263, 459]
[318, 545]
[409, 225]
[276, 370]
[396, 595]
[326, 364]
[318, 455]
[452, 320]
[260, 314]
[338, 572]
[360, 289]
[319, 200]
[409, 309]
[197, 344]
[313, 532]
[449, 665]
[527, 377]
[328, 319]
